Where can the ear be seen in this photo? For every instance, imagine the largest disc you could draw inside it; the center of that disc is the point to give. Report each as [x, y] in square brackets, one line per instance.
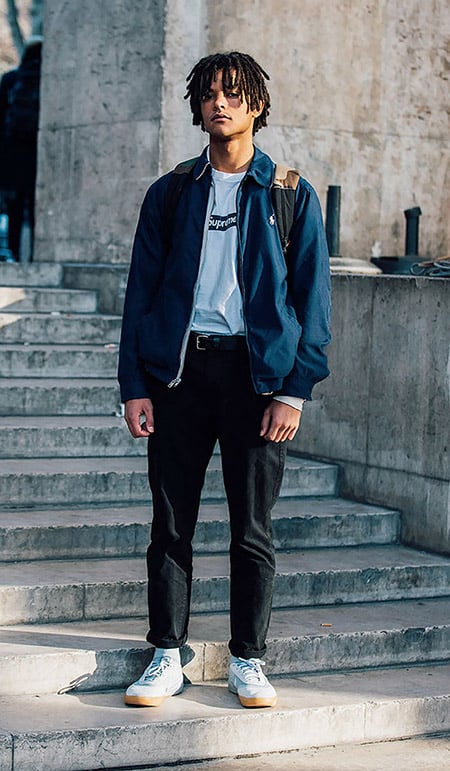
[257, 113]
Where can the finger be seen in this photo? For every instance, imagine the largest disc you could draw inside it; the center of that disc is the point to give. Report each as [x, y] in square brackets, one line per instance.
[132, 418]
[275, 433]
[149, 424]
[265, 423]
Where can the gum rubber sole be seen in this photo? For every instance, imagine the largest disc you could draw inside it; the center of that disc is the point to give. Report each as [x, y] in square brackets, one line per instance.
[149, 701]
[269, 701]
[142, 701]
[252, 703]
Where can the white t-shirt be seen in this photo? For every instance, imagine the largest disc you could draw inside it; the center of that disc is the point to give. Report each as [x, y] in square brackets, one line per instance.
[218, 302]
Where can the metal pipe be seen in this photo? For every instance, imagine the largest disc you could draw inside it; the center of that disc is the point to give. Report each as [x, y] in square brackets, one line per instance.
[333, 219]
[412, 231]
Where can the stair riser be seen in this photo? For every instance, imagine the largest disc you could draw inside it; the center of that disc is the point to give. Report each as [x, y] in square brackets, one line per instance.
[332, 587]
[58, 363]
[127, 599]
[120, 540]
[34, 400]
[40, 274]
[154, 743]
[89, 670]
[28, 490]
[18, 328]
[47, 300]
[76, 442]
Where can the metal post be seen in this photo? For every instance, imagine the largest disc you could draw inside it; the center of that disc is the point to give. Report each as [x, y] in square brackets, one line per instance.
[412, 230]
[333, 219]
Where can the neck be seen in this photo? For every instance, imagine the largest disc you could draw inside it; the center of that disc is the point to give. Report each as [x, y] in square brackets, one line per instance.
[231, 156]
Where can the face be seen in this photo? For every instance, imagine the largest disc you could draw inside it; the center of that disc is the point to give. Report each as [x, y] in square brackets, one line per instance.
[225, 112]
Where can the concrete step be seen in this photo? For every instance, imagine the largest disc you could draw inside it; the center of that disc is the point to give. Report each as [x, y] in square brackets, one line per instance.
[47, 396]
[88, 731]
[64, 590]
[101, 655]
[109, 281]
[112, 532]
[429, 753]
[60, 328]
[53, 481]
[45, 300]
[67, 437]
[40, 274]
[87, 361]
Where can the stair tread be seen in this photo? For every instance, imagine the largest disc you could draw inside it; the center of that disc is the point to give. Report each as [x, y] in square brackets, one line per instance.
[63, 382]
[93, 465]
[111, 348]
[58, 290]
[111, 634]
[52, 422]
[429, 753]
[302, 695]
[73, 315]
[315, 506]
[313, 561]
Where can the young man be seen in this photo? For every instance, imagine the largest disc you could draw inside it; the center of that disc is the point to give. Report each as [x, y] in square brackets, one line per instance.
[220, 342]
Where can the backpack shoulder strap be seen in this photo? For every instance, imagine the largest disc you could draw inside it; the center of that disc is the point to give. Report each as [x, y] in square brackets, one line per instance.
[284, 185]
[175, 187]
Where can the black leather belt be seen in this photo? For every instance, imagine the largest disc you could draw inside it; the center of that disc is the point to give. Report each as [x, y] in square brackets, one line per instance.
[201, 342]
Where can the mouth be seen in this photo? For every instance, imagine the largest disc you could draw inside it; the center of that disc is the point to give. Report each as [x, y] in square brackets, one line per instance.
[219, 117]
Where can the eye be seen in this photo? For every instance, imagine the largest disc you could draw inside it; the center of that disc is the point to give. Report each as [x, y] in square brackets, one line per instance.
[206, 96]
[233, 95]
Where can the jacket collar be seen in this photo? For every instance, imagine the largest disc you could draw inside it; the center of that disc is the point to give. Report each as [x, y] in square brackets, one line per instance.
[261, 168]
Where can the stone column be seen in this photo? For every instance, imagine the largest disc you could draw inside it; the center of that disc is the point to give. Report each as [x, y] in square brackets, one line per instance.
[100, 123]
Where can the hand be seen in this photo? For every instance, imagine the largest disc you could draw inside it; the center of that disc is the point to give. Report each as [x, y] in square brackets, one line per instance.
[280, 422]
[134, 409]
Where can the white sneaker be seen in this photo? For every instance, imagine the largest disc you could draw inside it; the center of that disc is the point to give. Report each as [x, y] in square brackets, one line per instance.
[247, 680]
[162, 678]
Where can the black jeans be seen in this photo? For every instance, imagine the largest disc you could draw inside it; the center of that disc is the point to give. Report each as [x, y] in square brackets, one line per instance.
[214, 401]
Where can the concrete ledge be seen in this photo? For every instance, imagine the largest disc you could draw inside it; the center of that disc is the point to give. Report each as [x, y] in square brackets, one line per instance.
[107, 654]
[206, 721]
[382, 413]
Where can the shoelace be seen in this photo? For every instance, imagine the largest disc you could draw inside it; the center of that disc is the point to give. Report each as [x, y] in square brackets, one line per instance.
[156, 668]
[251, 670]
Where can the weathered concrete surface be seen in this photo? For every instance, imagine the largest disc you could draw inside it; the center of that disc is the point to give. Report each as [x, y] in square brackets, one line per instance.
[383, 414]
[68, 733]
[359, 95]
[360, 99]
[408, 755]
[6, 744]
[58, 590]
[107, 654]
[101, 107]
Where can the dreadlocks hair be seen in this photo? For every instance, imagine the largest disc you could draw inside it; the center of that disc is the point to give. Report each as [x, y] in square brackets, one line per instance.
[239, 71]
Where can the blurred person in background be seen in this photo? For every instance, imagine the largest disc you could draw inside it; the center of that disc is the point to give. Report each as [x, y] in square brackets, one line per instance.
[19, 119]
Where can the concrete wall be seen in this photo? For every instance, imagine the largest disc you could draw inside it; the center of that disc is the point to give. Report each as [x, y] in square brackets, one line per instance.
[359, 91]
[384, 414]
[360, 99]
[100, 122]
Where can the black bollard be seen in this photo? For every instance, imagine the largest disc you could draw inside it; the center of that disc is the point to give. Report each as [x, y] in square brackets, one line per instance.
[412, 231]
[333, 219]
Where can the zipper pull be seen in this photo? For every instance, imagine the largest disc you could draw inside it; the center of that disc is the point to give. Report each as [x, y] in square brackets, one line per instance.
[174, 383]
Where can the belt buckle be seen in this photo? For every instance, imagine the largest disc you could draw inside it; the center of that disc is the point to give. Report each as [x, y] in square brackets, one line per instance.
[198, 343]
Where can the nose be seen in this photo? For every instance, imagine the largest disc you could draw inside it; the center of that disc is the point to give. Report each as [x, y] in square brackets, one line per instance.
[219, 101]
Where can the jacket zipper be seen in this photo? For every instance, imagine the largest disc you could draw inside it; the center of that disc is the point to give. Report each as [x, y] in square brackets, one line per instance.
[241, 278]
[177, 379]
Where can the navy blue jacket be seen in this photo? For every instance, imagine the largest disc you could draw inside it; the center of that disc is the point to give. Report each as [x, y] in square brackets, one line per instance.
[286, 312]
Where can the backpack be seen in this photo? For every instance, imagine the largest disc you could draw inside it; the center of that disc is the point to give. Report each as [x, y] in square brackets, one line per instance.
[22, 114]
[283, 198]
